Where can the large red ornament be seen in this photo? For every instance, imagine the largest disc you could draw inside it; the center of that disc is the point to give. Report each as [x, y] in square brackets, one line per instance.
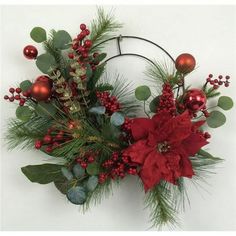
[185, 63]
[41, 91]
[195, 100]
[30, 52]
[44, 78]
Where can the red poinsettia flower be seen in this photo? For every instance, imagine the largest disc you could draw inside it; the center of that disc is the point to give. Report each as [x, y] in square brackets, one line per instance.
[163, 146]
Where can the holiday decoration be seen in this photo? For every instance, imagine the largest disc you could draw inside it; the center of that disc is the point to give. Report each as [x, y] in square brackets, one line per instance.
[90, 123]
[30, 52]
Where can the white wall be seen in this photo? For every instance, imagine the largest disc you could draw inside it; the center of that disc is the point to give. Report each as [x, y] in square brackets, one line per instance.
[208, 32]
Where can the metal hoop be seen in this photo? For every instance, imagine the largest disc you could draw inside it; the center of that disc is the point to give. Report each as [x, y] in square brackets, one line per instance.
[119, 39]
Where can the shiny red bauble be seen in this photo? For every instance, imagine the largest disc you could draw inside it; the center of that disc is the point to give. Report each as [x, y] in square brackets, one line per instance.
[44, 78]
[195, 100]
[41, 91]
[185, 63]
[30, 52]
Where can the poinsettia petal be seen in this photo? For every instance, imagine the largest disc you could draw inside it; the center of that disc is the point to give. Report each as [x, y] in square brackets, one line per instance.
[193, 143]
[140, 128]
[150, 172]
[138, 151]
[161, 118]
[176, 129]
[186, 166]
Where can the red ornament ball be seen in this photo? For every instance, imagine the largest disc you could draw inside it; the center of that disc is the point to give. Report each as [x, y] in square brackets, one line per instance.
[195, 100]
[41, 91]
[185, 63]
[44, 78]
[30, 52]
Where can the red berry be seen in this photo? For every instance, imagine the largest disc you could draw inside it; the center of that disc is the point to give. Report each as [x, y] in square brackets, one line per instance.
[95, 54]
[215, 86]
[210, 75]
[81, 49]
[11, 90]
[227, 77]
[82, 26]
[87, 32]
[75, 46]
[11, 99]
[91, 159]
[6, 97]
[71, 55]
[220, 76]
[85, 55]
[38, 144]
[84, 165]
[226, 84]
[47, 139]
[87, 43]
[49, 149]
[18, 90]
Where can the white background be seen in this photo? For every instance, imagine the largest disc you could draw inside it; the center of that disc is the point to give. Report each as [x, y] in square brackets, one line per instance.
[207, 32]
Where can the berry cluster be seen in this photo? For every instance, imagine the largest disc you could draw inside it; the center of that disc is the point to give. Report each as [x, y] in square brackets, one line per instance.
[218, 82]
[205, 135]
[126, 128]
[87, 158]
[166, 100]
[80, 52]
[53, 139]
[111, 103]
[117, 167]
[18, 95]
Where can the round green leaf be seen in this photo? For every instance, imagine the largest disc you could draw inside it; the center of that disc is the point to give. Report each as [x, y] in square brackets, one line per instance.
[23, 113]
[92, 183]
[117, 119]
[153, 104]
[93, 169]
[62, 40]
[142, 93]
[67, 173]
[76, 195]
[38, 34]
[25, 85]
[226, 103]
[44, 109]
[46, 63]
[78, 171]
[216, 119]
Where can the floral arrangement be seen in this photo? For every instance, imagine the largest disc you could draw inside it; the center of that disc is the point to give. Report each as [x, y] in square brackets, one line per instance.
[89, 123]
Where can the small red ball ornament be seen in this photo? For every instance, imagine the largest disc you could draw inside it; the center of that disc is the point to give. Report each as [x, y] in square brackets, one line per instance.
[195, 100]
[41, 91]
[44, 78]
[30, 52]
[185, 63]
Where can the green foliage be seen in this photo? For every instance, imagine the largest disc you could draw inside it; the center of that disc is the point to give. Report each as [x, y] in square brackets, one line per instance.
[23, 113]
[93, 168]
[98, 110]
[43, 174]
[226, 103]
[142, 93]
[78, 171]
[46, 63]
[92, 183]
[25, 85]
[100, 57]
[154, 104]
[216, 119]
[38, 34]
[117, 119]
[63, 185]
[76, 195]
[62, 40]
[104, 87]
[103, 28]
[67, 173]
[45, 109]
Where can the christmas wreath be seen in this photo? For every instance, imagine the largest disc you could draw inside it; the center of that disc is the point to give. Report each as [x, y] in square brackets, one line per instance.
[89, 123]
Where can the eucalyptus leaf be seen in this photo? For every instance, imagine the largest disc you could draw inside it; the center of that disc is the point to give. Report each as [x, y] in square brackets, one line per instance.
[25, 85]
[76, 195]
[23, 113]
[216, 119]
[78, 171]
[38, 34]
[92, 183]
[44, 109]
[153, 104]
[117, 119]
[93, 168]
[63, 185]
[207, 155]
[62, 40]
[225, 102]
[67, 173]
[46, 63]
[98, 110]
[43, 174]
[142, 93]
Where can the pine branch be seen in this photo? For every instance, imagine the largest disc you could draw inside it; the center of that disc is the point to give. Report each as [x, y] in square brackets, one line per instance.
[103, 28]
[162, 206]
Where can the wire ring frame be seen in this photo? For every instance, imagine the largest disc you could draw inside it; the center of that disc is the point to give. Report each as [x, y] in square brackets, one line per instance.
[121, 37]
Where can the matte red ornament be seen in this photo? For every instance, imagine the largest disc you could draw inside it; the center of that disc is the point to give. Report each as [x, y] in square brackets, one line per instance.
[185, 63]
[44, 78]
[195, 100]
[30, 52]
[41, 91]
